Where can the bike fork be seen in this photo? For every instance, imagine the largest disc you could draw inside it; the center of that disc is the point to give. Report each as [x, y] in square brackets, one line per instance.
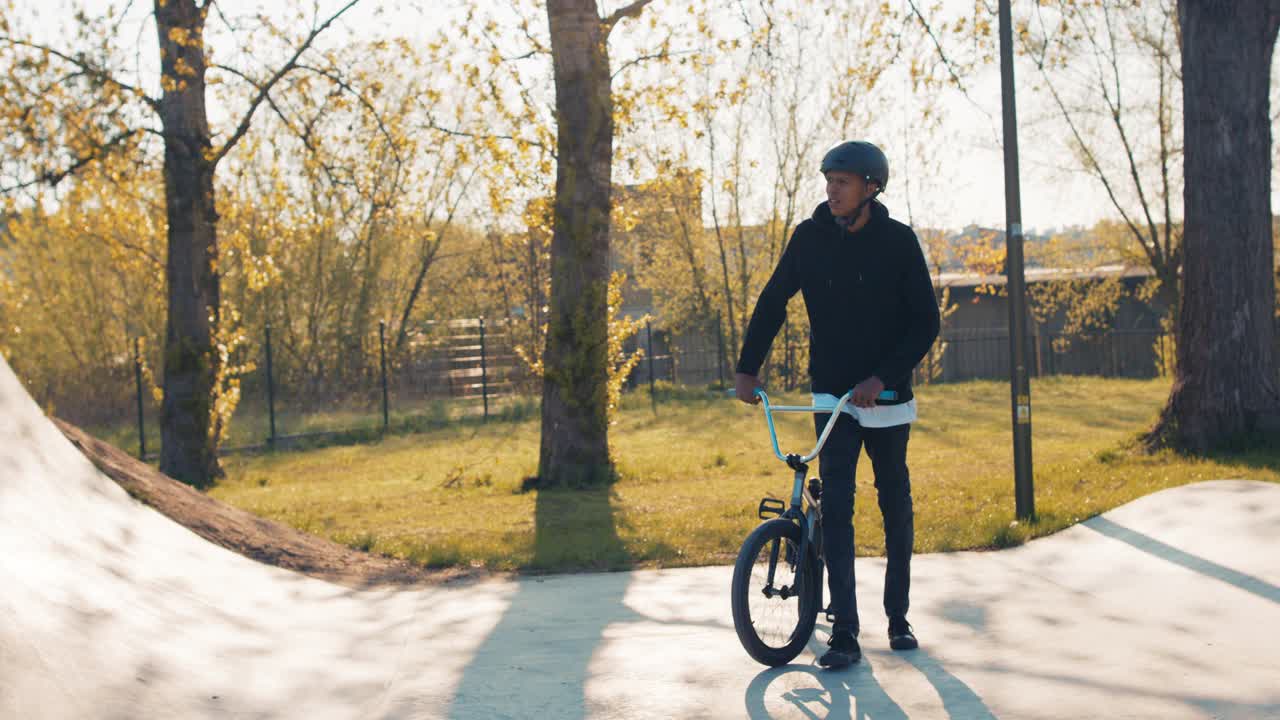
[794, 513]
[797, 492]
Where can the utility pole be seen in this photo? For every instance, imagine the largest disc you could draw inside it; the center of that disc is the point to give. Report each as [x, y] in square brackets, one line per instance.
[1019, 380]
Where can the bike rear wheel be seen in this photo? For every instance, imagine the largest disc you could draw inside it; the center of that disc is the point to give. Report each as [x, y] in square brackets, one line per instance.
[775, 593]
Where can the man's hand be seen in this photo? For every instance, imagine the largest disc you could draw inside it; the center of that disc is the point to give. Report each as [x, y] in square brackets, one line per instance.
[745, 386]
[866, 392]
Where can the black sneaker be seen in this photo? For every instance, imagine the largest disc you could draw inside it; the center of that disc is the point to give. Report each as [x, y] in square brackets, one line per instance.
[843, 653]
[900, 635]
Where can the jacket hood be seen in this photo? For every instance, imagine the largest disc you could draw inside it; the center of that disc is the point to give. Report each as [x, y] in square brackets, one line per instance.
[822, 214]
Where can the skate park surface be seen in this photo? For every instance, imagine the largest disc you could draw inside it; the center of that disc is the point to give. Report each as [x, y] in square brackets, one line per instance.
[1167, 607]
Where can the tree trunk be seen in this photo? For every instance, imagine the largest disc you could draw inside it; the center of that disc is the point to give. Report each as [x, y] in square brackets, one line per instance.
[575, 439]
[1225, 382]
[188, 428]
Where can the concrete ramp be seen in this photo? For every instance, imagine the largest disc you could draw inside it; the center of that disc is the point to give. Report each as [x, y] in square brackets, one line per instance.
[1168, 607]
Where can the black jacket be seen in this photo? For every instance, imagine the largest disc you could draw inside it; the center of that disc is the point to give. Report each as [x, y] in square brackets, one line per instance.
[870, 300]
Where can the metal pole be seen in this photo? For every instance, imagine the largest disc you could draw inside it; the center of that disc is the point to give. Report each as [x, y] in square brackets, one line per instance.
[1019, 383]
[653, 399]
[720, 361]
[484, 373]
[137, 377]
[271, 393]
[382, 347]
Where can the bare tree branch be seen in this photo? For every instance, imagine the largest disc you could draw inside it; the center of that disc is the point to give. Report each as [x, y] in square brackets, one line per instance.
[538, 48]
[1162, 117]
[428, 253]
[302, 132]
[946, 60]
[523, 56]
[630, 10]
[1116, 114]
[116, 238]
[266, 87]
[53, 177]
[649, 56]
[88, 68]
[115, 28]
[431, 124]
[368, 104]
[1039, 60]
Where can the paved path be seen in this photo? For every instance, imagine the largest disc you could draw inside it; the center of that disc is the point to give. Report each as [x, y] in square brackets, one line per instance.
[1168, 607]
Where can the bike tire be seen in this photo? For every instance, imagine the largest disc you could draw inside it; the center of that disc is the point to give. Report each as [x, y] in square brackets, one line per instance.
[796, 615]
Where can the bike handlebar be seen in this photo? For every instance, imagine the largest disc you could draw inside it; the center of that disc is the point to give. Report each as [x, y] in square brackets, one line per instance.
[826, 431]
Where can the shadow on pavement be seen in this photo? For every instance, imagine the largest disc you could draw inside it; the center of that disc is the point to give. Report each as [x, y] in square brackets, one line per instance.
[823, 694]
[1148, 544]
[521, 670]
[854, 692]
[959, 700]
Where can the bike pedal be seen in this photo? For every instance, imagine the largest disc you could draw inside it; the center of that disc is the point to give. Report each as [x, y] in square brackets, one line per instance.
[771, 507]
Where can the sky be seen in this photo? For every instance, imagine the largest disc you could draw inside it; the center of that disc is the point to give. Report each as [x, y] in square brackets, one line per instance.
[968, 188]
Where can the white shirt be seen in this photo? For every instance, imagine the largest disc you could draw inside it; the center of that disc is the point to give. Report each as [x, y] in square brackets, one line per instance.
[880, 416]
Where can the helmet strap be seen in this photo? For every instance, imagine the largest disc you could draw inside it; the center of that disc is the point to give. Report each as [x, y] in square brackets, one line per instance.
[857, 212]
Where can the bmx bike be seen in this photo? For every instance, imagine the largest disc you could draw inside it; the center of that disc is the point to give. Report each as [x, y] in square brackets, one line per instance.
[777, 580]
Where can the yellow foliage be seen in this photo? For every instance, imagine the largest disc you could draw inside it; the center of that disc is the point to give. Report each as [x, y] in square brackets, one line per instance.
[181, 36]
[79, 283]
[620, 362]
[229, 338]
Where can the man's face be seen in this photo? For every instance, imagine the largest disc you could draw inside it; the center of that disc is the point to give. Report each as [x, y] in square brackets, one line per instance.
[845, 191]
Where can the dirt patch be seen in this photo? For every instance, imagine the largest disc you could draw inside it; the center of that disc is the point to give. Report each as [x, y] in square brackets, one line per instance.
[254, 537]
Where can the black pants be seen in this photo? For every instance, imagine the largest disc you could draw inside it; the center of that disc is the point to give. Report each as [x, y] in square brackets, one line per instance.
[838, 462]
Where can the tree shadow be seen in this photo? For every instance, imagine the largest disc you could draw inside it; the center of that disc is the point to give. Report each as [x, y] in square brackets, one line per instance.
[521, 669]
[577, 529]
[958, 699]
[1255, 451]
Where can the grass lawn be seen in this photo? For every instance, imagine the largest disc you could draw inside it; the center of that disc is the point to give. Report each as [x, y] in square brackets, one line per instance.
[692, 474]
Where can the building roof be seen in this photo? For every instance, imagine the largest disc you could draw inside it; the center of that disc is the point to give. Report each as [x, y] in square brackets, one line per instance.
[955, 279]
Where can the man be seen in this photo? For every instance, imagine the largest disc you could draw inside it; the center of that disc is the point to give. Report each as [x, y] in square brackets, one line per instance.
[872, 318]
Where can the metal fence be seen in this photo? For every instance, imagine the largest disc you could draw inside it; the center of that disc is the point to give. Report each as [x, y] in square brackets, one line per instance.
[463, 369]
[690, 358]
[984, 354]
[446, 371]
[958, 355]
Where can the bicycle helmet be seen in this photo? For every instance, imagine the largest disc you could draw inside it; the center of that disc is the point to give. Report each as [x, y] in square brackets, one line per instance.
[860, 158]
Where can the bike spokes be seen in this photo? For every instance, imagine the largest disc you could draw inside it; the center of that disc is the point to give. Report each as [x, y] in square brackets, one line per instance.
[774, 603]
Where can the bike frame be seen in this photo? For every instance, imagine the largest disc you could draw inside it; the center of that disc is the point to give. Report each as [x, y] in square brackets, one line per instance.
[810, 520]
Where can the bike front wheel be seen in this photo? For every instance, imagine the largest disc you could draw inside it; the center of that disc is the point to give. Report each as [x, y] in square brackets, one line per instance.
[775, 593]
